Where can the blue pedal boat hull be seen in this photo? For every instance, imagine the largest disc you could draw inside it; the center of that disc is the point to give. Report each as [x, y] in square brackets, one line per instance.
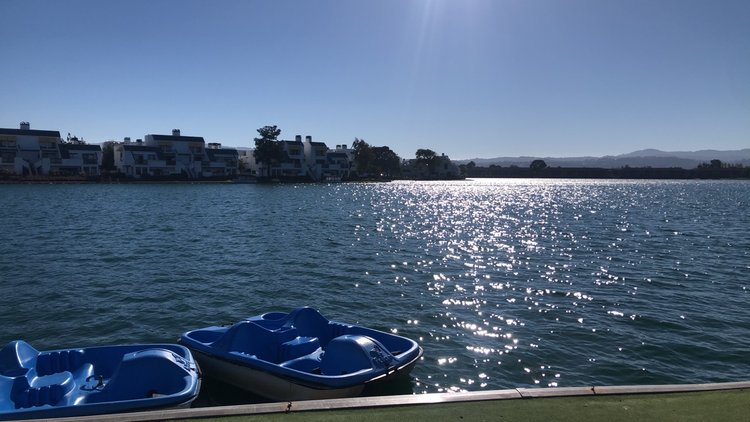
[94, 380]
[301, 355]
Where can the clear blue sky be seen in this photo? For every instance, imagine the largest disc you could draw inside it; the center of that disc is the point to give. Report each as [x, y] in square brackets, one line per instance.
[468, 78]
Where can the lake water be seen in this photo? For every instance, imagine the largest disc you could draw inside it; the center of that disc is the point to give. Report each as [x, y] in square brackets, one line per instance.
[505, 283]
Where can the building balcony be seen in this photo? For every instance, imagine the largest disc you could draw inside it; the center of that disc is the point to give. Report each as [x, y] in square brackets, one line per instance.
[69, 162]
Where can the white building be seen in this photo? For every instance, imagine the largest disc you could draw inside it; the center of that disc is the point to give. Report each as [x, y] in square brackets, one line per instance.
[29, 152]
[339, 163]
[306, 159]
[25, 151]
[315, 158]
[294, 164]
[136, 160]
[183, 154]
[79, 158]
[248, 165]
[221, 161]
[175, 155]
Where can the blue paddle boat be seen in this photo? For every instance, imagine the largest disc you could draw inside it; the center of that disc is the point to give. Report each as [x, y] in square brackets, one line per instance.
[94, 380]
[300, 355]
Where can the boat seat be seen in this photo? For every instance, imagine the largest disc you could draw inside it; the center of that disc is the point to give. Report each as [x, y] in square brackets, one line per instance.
[298, 347]
[247, 337]
[142, 374]
[59, 361]
[47, 390]
[353, 353]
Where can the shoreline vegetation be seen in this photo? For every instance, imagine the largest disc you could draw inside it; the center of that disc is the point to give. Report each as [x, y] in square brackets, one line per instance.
[706, 172]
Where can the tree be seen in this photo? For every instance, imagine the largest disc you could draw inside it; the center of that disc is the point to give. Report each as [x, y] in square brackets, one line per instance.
[108, 156]
[538, 165]
[425, 156]
[363, 156]
[73, 140]
[375, 161]
[386, 162]
[267, 149]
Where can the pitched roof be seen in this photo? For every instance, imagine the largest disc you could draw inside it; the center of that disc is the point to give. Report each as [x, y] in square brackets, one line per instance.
[66, 148]
[30, 132]
[143, 148]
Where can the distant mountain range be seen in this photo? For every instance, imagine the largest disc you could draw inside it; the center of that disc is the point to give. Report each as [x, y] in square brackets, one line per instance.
[643, 158]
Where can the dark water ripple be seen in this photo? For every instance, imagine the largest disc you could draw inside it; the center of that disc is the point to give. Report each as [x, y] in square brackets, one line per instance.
[505, 283]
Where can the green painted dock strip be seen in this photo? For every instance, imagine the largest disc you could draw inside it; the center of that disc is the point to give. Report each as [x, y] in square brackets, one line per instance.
[691, 402]
[705, 406]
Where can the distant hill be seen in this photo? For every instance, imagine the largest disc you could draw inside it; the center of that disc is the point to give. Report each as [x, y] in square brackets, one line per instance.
[642, 158]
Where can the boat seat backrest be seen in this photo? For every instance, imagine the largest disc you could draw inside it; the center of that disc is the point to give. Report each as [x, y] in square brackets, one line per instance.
[250, 338]
[351, 353]
[16, 358]
[310, 323]
[297, 347]
[65, 360]
[344, 356]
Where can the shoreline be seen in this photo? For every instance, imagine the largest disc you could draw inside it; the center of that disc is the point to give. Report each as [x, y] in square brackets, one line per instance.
[297, 182]
[549, 174]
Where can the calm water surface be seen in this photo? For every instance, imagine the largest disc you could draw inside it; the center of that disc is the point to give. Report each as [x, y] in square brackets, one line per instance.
[505, 283]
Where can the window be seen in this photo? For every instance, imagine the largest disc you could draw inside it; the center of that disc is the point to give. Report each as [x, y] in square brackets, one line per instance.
[7, 141]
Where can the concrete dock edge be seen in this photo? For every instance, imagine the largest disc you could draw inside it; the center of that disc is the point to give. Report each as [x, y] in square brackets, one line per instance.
[403, 400]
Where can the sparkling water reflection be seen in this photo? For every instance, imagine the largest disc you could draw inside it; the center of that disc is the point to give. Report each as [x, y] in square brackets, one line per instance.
[505, 283]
